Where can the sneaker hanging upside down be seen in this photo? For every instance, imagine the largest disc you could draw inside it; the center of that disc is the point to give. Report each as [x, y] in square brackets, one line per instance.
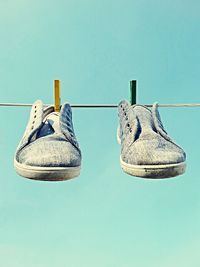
[49, 150]
[146, 149]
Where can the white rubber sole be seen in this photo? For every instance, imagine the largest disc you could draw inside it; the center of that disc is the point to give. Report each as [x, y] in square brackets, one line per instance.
[47, 173]
[154, 171]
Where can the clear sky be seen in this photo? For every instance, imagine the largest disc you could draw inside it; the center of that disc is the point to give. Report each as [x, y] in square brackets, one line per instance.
[103, 218]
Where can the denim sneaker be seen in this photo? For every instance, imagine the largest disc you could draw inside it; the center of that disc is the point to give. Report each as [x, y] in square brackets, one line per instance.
[49, 149]
[146, 149]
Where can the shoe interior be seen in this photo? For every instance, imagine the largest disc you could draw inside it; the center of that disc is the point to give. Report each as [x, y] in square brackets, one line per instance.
[51, 124]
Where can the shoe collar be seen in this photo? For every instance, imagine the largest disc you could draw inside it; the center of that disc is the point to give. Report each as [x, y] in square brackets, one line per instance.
[37, 116]
[126, 108]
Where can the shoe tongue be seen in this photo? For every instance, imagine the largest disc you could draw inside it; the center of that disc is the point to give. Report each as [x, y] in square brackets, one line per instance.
[144, 116]
[53, 120]
[51, 125]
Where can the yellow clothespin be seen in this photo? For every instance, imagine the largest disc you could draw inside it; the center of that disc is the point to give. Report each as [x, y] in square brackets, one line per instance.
[57, 95]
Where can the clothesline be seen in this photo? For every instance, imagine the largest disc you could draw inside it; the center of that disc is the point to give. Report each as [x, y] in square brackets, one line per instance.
[98, 105]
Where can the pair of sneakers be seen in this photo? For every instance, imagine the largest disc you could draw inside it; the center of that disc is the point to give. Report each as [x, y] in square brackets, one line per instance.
[49, 149]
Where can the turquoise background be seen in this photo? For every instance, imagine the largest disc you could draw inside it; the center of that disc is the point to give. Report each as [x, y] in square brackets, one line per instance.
[104, 218]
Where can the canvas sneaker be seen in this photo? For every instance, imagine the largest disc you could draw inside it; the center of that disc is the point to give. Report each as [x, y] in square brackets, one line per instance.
[49, 149]
[146, 148]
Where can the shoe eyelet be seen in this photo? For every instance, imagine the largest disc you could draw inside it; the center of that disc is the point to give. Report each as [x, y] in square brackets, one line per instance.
[35, 117]
[128, 125]
[130, 130]
[126, 118]
[124, 113]
[68, 118]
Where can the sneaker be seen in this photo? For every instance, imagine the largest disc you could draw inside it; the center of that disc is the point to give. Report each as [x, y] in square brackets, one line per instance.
[49, 149]
[146, 149]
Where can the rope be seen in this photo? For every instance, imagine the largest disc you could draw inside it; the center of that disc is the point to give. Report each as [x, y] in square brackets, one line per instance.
[99, 105]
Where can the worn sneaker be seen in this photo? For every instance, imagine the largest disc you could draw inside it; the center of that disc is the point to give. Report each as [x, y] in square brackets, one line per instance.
[146, 149]
[49, 149]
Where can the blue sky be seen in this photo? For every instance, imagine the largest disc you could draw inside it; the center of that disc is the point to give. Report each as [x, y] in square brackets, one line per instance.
[104, 218]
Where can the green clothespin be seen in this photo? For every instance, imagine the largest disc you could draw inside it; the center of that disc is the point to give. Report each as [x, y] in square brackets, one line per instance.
[133, 94]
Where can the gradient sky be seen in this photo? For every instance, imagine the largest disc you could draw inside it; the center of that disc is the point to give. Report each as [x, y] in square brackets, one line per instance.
[104, 218]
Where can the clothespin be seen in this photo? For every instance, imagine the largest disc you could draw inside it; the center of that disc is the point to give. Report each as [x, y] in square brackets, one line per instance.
[57, 95]
[133, 94]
